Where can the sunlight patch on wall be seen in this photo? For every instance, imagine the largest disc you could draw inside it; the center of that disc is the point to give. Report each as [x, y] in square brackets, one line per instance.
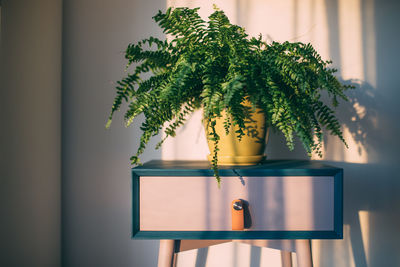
[364, 217]
[311, 25]
[344, 249]
[192, 144]
[350, 32]
[272, 257]
[335, 252]
[369, 42]
[334, 150]
[273, 19]
[231, 254]
[188, 258]
[243, 257]
[356, 153]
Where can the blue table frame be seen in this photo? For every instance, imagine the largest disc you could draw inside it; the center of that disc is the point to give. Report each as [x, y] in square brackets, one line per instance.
[268, 168]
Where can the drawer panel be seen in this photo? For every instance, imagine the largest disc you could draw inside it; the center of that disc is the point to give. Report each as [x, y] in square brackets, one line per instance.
[276, 203]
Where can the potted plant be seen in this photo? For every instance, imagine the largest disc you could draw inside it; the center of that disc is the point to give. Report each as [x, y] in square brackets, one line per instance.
[215, 66]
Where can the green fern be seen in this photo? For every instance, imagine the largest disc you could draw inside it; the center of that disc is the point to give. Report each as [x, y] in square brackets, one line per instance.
[215, 65]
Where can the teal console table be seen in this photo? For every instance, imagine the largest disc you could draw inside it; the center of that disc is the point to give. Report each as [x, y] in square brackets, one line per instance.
[284, 204]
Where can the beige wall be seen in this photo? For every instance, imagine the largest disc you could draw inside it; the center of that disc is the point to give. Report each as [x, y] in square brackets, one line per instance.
[96, 170]
[360, 36]
[30, 135]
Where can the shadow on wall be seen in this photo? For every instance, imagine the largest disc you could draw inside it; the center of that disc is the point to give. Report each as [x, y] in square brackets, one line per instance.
[360, 117]
[371, 210]
[371, 199]
[96, 187]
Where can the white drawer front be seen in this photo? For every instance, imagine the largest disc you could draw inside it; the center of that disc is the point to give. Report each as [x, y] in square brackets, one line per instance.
[290, 203]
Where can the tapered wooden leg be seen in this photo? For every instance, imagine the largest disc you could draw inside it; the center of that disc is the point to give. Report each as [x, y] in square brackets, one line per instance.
[286, 257]
[166, 254]
[303, 251]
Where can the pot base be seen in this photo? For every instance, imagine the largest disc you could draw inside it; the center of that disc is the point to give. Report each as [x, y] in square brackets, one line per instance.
[237, 160]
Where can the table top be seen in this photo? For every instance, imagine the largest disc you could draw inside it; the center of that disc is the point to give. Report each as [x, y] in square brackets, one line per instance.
[203, 168]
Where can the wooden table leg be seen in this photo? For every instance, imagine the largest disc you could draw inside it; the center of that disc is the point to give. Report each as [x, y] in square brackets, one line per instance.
[286, 257]
[166, 254]
[303, 251]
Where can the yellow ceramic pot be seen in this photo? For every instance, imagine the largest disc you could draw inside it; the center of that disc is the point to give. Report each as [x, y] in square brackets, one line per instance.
[249, 150]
